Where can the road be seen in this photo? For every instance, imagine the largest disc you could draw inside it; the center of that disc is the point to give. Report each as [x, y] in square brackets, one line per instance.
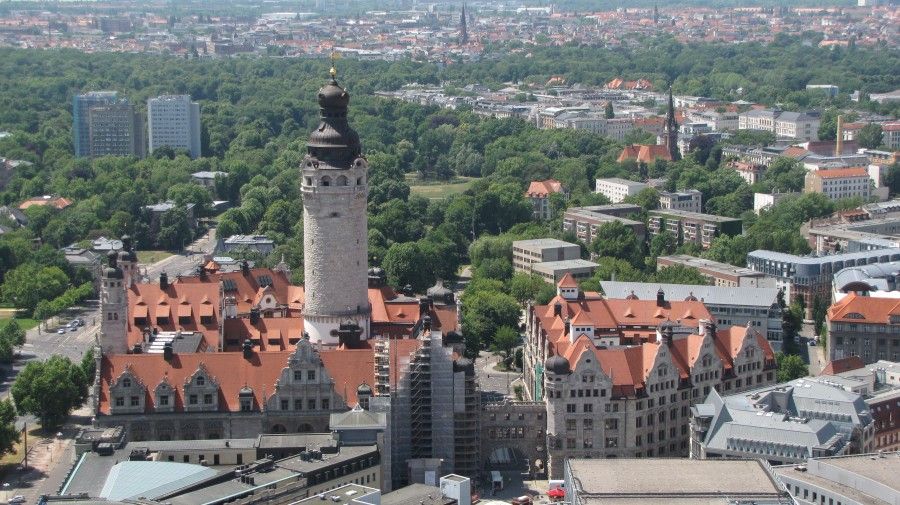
[49, 460]
[495, 383]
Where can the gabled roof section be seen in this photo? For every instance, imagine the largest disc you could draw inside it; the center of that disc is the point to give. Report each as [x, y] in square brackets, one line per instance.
[567, 282]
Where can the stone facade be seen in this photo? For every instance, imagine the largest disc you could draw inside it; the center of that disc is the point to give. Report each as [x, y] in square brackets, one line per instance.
[334, 185]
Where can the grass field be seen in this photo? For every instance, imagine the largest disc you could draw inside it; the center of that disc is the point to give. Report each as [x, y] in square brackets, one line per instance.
[24, 323]
[438, 190]
[148, 257]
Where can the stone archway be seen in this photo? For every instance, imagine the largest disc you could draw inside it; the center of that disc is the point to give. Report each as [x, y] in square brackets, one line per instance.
[279, 428]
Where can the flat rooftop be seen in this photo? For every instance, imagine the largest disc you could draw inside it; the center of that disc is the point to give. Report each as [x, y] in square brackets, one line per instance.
[723, 268]
[696, 216]
[542, 243]
[554, 266]
[343, 495]
[625, 182]
[851, 470]
[629, 480]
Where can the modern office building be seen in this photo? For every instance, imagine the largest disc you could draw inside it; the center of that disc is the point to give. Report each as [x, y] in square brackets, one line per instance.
[689, 200]
[528, 252]
[718, 274]
[783, 423]
[811, 276]
[174, 121]
[585, 222]
[81, 106]
[844, 480]
[617, 189]
[729, 306]
[700, 229]
[855, 235]
[653, 481]
[554, 271]
[116, 130]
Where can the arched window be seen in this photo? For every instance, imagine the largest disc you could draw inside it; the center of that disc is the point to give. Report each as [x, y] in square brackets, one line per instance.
[342, 180]
[326, 181]
[359, 181]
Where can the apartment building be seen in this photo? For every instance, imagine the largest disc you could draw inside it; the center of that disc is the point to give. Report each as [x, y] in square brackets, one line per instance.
[718, 274]
[811, 276]
[618, 376]
[750, 172]
[864, 326]
[891, 135]
[528, 252]
[585, 222]
[729, 306]
[115, 130]
[617, 189]
[538, 193]
[689, 200]
[784, 423]
[717, 121]
[802, 126]
[839, 183]
[694, 227]
[174, 121]
[81, 106]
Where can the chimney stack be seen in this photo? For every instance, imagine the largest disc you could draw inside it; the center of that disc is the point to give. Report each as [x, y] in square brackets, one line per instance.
[254, 315]
[168, 352]
[163, 281]
[839, 139]
[248, 349]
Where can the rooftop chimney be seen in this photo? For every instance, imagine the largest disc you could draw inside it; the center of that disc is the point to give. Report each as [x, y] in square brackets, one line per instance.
[248, 349]
[254, 315]
[660, 298]
[245, 267]
[557, 309]
[163, 281]
[168, 352]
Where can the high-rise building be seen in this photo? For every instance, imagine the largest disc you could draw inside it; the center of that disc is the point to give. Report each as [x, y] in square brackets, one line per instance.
[174, 121]
[115, 130]
[335, 188]
[81, 106]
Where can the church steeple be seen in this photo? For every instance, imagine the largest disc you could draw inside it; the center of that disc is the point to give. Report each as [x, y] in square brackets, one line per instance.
[671, 130]
[463, 29]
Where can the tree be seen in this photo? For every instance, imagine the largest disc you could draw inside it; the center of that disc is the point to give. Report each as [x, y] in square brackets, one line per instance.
[505, 340]
[615, 240]
[28, 284]
[49, 390]
[495, 268]
[483, 313]
[525, 287]
[608, 112]
[663, 243]
[174, 229]
[9, 434]
[870, 136]
[680, 274]
[405, 264]
[11, 336]
[790, 367]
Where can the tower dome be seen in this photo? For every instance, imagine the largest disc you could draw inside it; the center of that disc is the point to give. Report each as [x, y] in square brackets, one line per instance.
[112, 271]
[557, 364]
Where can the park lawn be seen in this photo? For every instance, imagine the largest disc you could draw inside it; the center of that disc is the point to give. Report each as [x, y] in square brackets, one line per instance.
[439, 190]
[150, 257]
[24, 322]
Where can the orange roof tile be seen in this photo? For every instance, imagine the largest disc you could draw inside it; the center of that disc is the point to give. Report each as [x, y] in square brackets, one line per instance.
[863, 309]
[567, 282]
[840, 173]
[542, 189]
[842, 365]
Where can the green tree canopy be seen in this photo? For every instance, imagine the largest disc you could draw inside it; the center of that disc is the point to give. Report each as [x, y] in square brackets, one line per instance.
[49, 390]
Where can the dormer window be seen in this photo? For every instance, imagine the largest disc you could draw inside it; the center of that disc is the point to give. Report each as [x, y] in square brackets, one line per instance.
[126, 382]
[201, 380]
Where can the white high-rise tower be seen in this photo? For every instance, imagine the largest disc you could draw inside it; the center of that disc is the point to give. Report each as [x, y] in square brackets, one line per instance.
[335, 188]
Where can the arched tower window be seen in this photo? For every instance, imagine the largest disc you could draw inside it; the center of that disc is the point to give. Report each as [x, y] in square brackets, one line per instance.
[326, 181]
[341, 180]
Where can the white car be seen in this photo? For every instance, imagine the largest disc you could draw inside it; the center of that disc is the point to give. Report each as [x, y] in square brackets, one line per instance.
[61, 331]
[17, 499]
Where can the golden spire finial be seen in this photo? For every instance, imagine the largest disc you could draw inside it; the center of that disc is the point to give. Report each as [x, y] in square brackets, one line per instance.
[333, 71]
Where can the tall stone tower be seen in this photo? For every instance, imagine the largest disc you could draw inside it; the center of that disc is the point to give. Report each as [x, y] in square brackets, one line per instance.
[335, 187]
[113, 309]
[128, 262]
[670, 131]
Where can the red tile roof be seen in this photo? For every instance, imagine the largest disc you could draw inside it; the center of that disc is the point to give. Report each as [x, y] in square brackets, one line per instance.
[863, 309]
[567, 281]
[543, 189]
[840, 173]
[56, 202]
[644, 153]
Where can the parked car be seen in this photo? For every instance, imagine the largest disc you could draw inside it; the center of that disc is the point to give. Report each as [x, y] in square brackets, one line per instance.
[17, 499]
[61, 331]
[73, 328]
